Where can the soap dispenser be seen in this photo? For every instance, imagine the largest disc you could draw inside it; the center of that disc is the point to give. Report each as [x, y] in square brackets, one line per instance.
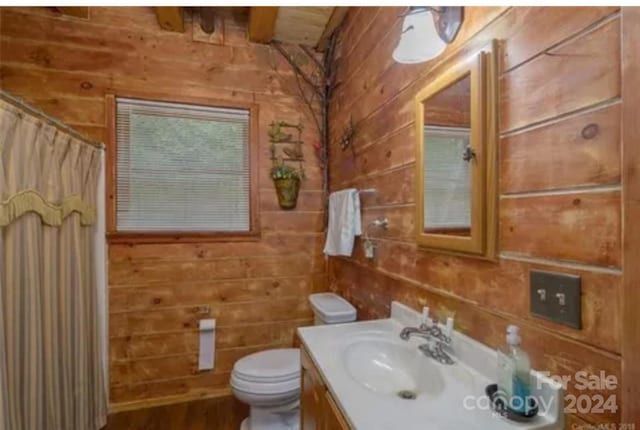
[514, 368]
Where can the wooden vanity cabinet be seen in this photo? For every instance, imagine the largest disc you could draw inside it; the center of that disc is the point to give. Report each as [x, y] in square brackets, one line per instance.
[311, 399]
[318, 409]
[333, 418]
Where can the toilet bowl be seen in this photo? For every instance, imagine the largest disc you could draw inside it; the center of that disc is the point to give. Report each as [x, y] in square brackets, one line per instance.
[269, 381]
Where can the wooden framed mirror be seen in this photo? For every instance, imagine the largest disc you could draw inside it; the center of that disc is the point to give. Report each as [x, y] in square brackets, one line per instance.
[456, 158]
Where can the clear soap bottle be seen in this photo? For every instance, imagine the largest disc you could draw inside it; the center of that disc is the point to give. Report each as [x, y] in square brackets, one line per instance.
[514, 369]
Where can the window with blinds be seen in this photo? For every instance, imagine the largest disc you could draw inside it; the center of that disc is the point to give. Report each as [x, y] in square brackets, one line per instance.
[181, 168]
[447, 178]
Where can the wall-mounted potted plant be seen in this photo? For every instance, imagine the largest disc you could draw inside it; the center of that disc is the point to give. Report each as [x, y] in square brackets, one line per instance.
[286, 147]
[287, 181]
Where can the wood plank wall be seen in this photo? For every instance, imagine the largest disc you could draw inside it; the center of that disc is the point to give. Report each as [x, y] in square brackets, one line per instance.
[560, 202]
[256, 290]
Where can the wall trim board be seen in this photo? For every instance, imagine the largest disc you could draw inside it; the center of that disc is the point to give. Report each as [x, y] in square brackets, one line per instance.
[115, 408]
[216, 410]
[631, 214]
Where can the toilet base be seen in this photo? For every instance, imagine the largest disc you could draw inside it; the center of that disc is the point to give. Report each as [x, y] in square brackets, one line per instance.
[261, 419]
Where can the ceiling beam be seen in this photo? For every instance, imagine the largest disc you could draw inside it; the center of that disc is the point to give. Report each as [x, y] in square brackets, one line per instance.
[262, 23]
[75, 11]
[338, 14]
[170, 18]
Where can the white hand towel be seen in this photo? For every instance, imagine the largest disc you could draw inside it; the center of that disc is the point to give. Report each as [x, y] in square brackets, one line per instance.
[344, 222]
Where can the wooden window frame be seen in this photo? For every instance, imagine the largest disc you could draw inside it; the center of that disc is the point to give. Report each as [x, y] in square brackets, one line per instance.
[115, 236]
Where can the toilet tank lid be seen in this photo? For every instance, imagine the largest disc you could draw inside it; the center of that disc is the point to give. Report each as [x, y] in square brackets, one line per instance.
[331, 308]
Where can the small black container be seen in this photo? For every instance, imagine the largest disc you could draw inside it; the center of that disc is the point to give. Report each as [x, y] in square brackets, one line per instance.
[499, 406]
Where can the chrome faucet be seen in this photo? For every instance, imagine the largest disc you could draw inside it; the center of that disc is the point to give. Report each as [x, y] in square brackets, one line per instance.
[433, 334]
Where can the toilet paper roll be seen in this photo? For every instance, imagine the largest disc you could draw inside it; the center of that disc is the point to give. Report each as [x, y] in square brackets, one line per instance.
[206, 359]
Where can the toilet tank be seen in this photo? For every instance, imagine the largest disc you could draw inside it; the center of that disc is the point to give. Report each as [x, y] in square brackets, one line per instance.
[330, 308]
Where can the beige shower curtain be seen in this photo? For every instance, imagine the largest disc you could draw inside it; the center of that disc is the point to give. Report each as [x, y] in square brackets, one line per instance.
[51, 374]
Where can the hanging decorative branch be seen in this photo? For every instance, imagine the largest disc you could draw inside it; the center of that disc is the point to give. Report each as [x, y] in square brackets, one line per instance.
[296, 68]
[315, 87]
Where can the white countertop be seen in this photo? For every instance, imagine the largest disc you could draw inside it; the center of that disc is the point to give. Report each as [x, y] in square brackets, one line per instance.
[369, 410]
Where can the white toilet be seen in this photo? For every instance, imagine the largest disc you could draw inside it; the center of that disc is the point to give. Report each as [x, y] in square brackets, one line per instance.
[269, 381]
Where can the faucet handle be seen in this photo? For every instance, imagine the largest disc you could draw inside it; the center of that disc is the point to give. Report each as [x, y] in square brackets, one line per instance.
[448, 330]
[440, 334]
[424, 319]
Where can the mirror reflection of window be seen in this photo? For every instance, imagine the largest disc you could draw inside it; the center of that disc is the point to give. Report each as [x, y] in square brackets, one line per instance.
[447, 166]
[456, 157]
[447, 187]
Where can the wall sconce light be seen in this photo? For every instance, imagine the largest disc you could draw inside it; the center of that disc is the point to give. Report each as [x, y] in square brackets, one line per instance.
[426, 31]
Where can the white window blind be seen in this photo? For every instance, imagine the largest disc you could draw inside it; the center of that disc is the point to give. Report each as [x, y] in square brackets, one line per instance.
[447, 178]
[181, 168]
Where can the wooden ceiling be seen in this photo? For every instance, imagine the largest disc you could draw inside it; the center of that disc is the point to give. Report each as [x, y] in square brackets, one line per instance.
[310, 26]
[302, 25]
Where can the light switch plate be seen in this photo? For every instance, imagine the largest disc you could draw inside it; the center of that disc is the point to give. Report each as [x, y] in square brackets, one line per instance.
[556, 297]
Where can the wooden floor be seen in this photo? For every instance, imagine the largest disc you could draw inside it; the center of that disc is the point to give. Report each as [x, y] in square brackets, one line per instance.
[219, 413]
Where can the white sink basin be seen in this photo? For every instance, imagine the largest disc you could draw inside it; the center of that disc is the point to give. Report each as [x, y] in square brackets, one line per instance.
[370, 371]
[391, 368]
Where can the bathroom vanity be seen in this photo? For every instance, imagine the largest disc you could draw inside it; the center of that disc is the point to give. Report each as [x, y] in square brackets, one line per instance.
[319, 410]
[364, 376]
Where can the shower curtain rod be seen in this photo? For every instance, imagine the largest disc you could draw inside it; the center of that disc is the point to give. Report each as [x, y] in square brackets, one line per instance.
[16, 101]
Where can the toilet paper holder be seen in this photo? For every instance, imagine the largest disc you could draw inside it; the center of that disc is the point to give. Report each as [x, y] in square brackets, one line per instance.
[207, 351]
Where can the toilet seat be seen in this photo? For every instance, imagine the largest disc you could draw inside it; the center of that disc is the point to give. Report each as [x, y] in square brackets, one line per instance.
[271, 366]
[269, 389]
[268, 378]
[271, 375]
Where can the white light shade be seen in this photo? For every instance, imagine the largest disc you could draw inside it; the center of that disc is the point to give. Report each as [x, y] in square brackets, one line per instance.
[419, 40]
